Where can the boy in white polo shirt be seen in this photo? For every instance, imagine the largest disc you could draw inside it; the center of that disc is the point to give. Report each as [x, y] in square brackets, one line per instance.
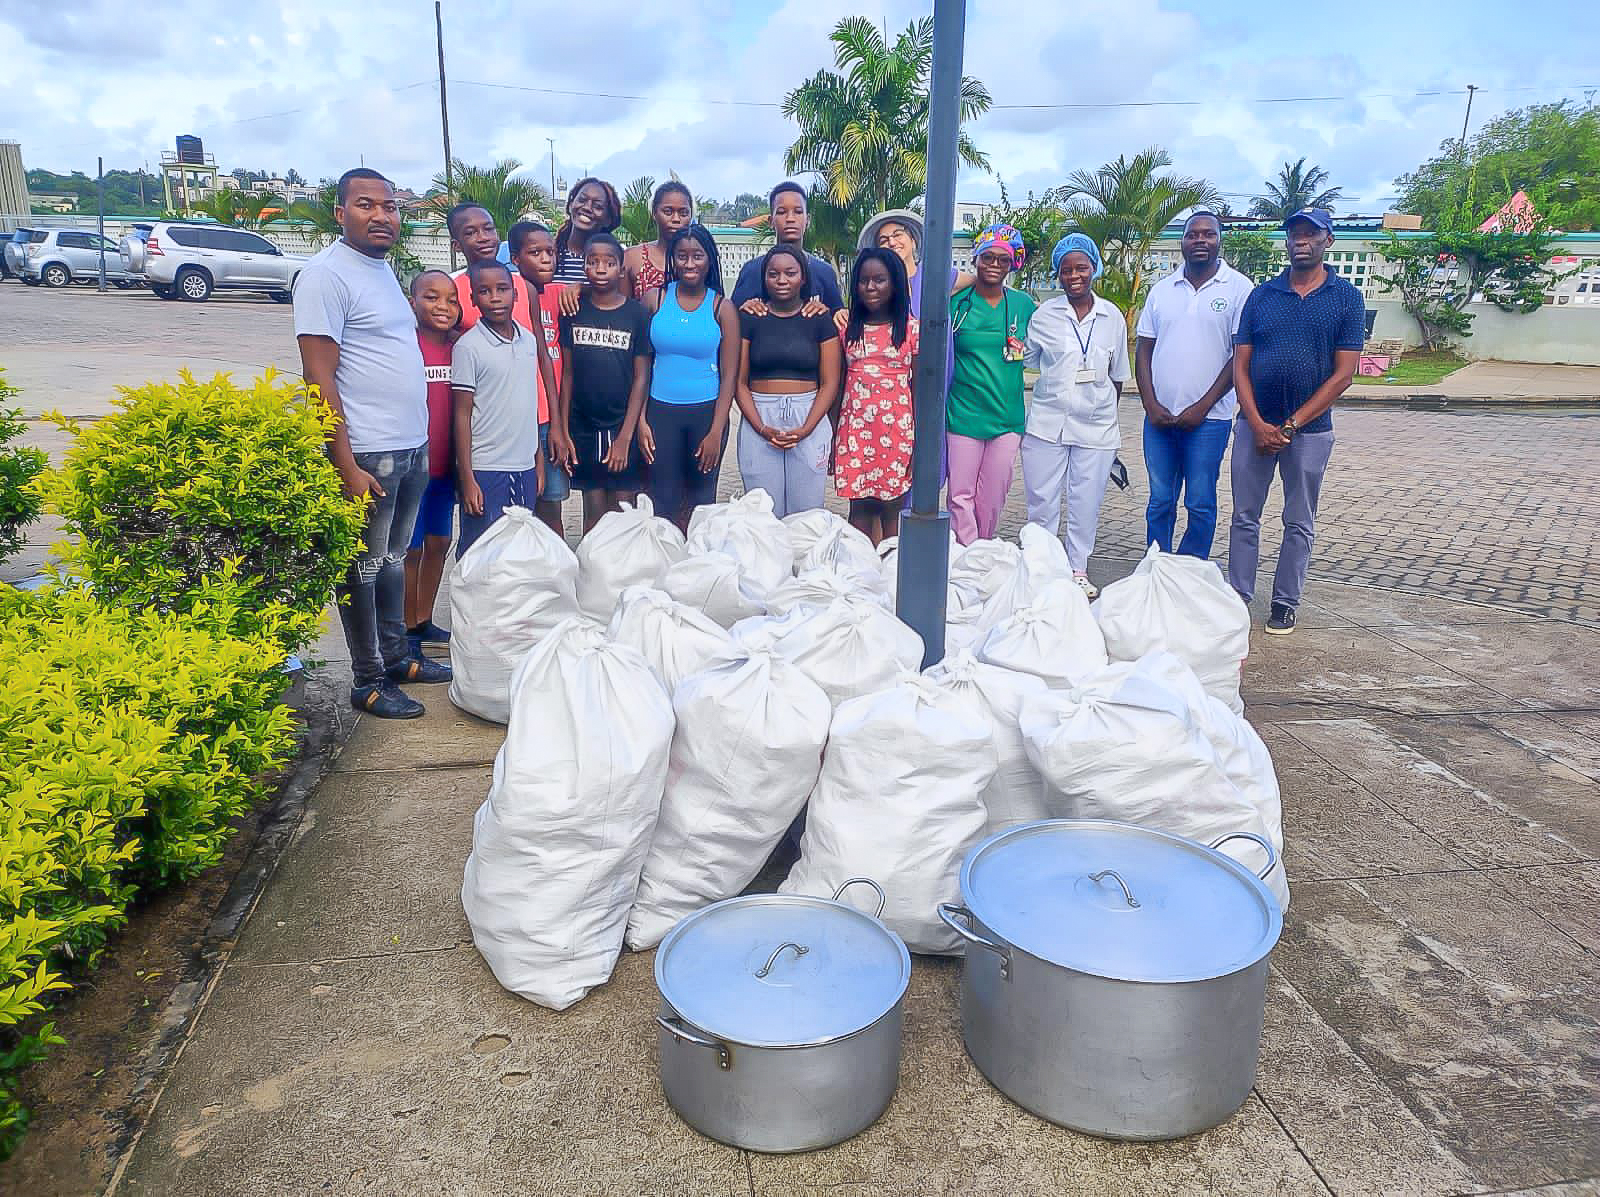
[1079, 344]
[1184, 364]
[494, 381]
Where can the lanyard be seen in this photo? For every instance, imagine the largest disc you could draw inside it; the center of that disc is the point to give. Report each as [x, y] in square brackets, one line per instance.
[1083, 343]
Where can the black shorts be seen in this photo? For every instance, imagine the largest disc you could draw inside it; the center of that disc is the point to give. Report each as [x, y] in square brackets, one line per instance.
[590, 472]
[677, 484]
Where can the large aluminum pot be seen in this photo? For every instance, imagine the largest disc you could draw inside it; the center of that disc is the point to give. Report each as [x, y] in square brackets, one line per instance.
[1119, 980]
[780, 1019]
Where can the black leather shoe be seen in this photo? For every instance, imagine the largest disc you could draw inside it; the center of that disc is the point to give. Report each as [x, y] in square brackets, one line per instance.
[423, 670]
[1281, 621]
[386, 701]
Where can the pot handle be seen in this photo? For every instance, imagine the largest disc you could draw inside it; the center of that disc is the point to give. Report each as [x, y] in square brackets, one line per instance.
[883, 898]
[1127, 894]
[1272, 856]
[949, 913]
[674, 1026]
[799, 950]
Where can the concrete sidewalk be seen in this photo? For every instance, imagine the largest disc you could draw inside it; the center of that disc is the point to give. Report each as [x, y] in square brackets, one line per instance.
[1497, 382]
[1433, 1021]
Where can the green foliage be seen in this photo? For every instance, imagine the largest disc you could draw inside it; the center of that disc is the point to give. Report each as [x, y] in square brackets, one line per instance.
[1042, 223]
[638, 224]
[864, 129]
[242, 209]
[206, 496]
[19, 466]
[1123, 207]
[122, 190]
[1296, 187]
[129, 742]
[1419, 369]
[1257, 256]
[1437, 276]
[1550, 151]
[508, 196]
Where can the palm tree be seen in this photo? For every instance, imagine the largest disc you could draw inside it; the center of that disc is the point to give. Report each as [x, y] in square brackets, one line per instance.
[507, 195]
[318, 213]
[1123, 207]
[864, 131]
[1295, 188]
[638, 225]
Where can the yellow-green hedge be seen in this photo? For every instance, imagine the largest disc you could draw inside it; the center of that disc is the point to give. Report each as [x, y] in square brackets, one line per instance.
[129, 740]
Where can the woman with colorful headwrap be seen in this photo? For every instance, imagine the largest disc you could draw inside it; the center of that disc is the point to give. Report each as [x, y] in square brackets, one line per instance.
[1079, 344]
[985, 415]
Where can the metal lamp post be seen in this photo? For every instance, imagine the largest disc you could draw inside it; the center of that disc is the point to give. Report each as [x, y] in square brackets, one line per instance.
[924, 558]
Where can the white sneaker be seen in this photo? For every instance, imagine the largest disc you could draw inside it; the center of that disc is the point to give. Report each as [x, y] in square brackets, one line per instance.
[1090, 590]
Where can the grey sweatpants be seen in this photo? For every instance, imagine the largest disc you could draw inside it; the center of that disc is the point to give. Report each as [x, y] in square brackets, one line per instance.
[1301, 466]
[795, 478]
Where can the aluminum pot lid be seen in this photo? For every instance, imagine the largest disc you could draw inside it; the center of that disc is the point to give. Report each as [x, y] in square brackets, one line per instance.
[1119, 901]
[736, 970]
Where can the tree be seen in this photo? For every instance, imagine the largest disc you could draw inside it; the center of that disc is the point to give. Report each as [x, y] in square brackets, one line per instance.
[1549, 151]
[1437, 276]
[864, 129]
[1123, 207]
[638, 225]
[1257, 256]
[294, 178]
[1295, 188]
[745, 205]
[1042, 223]
[507, 195]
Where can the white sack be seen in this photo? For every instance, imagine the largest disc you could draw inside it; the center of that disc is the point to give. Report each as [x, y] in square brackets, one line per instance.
[816, 588]
[849, 648]
[897, 801]
[675, 640]
[1016, 795]
[808, 527]
[1125, 746]
[631, 547]
[1240, 752]
[745, 755]
[747, 531]
[558, 844]
[889, 566]
[1044, 560]
[713, 583]
[516, 582]
[1053, 637]
[761, 632]
[844, 550]
[1182, 605]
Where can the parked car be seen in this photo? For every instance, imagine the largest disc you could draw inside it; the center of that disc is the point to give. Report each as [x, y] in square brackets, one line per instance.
[62, 256]
[189, 261]
[15, 250]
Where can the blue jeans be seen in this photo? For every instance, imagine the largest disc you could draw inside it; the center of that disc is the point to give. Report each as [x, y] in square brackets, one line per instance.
[1186, 460]
[372, 597]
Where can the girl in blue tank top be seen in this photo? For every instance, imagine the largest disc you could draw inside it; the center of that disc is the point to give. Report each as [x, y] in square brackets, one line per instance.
[694, 334]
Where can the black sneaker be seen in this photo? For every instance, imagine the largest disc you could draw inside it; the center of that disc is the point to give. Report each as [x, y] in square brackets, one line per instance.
[423, 670]
[1281, 621]
[430, 633]
[386, 701]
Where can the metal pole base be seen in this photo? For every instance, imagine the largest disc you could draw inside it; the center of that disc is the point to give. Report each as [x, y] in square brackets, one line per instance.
[923, 566]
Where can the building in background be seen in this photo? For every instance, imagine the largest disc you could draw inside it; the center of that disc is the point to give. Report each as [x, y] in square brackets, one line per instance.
[15, 204]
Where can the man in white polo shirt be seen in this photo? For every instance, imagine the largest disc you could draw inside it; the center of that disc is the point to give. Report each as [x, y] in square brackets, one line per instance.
[1184, 368]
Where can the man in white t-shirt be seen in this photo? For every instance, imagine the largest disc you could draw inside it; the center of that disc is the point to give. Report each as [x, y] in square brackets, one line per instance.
[1184, 368]
[358, 346]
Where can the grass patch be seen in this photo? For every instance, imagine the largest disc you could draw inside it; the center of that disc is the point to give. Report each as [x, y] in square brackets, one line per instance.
[1417, 368]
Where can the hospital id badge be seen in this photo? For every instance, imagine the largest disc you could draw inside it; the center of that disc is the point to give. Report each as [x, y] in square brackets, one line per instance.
[1086, 374]
[1014, 350]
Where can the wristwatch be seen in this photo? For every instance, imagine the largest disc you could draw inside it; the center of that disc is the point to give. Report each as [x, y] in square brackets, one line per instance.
[1289, 428]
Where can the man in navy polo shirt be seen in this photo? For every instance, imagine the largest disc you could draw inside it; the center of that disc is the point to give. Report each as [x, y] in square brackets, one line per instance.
[1295, 353]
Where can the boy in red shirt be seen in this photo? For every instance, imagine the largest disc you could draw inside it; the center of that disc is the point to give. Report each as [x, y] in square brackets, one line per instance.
[472, 231]
[533, 253]
[438, 308]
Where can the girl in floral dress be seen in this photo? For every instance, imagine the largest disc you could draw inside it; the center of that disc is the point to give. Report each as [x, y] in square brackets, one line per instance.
[872, 457]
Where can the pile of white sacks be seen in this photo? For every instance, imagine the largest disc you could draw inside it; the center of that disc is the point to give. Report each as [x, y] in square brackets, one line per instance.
[672, 705]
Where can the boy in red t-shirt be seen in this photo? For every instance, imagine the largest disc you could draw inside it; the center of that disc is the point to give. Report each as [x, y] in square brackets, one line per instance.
[438, 309]
[533, 253]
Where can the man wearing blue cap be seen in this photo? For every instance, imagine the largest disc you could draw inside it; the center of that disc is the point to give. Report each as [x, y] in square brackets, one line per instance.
[1295, 353]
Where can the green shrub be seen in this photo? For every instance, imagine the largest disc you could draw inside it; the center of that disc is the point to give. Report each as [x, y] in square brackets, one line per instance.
[129, 741]
[18, 467]
[187, 480]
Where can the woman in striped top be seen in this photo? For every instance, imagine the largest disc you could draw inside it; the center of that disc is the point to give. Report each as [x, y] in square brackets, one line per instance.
[592, 207]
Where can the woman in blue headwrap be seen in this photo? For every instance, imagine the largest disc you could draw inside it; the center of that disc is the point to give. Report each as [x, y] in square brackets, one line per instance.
[986, 415]
[1079, 344]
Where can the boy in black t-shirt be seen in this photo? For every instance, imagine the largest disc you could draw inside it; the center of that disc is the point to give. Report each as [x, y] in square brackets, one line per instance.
[603, 388]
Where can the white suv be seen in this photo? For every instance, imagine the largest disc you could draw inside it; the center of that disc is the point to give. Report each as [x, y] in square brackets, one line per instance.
[189, 261]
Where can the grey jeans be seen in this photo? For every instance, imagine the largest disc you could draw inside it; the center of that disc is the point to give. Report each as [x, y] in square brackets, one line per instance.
[796, 478]
[372, 597]
[1301, 466]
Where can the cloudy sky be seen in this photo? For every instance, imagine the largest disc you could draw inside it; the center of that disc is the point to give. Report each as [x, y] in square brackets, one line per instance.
[321, 86]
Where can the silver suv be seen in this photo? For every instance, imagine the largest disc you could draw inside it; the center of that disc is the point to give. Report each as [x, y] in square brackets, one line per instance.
[63, 256]
[189, 261]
